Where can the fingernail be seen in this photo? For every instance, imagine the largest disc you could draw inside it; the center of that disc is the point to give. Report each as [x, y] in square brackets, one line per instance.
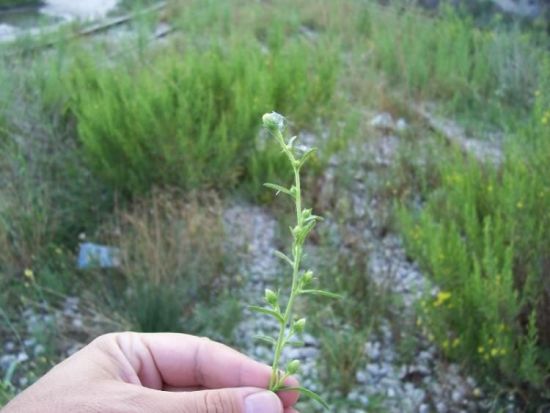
[263, 402]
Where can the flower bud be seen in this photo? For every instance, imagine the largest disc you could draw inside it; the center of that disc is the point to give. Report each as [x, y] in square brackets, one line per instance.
[300, 325]
[274, 121]
[271, 297]
[293, 367]
[308, 277]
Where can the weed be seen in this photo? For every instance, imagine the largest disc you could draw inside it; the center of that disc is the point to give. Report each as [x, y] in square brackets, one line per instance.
[301, 281]
[342, 355]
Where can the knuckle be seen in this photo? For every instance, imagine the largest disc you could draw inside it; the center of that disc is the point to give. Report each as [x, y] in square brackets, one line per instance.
[219, 402]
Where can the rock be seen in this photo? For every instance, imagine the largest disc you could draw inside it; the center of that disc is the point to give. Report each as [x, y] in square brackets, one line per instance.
[372, 350]
[424, 408]
[383, 121]
[401, 125]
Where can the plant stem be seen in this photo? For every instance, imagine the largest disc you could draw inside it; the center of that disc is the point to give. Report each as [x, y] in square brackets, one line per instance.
[275, 383]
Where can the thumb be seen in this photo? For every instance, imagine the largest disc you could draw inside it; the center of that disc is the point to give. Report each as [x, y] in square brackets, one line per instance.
[238, 400]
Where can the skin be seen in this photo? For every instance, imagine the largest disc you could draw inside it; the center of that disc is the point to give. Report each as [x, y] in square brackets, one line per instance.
[155, 373]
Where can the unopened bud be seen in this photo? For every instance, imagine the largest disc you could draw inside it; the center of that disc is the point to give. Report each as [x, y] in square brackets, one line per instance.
[293, 367]
[274, 121]
[299, 325]
[271, 297]
[308, 277]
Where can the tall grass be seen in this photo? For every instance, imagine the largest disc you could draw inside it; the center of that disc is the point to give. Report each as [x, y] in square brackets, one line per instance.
[478, 72]
[172, 254]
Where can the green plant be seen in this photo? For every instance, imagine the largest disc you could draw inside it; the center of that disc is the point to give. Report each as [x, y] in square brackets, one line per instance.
[301, 281]
[7, 390]
[191, 122]
[342, 355]
[481, 235]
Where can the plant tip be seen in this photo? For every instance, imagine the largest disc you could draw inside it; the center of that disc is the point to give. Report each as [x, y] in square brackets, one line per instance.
[274, 121]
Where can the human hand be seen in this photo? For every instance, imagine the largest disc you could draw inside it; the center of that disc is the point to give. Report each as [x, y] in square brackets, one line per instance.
[154, 373]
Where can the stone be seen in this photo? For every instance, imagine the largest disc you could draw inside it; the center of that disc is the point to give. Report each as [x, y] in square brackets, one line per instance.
[383, 121]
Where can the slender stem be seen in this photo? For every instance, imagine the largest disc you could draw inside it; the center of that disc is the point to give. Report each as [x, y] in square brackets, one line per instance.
[297, 255]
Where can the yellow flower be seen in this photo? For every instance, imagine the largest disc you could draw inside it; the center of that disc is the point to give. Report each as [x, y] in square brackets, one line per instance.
[494, 352]
[29, 274]
[480, 350]
[442, 298]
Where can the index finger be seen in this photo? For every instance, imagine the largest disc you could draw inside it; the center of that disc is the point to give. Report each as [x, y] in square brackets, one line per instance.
[181, 360]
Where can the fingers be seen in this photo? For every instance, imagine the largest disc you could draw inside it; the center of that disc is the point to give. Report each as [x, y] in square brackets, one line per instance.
[240, 400]
[180, 361]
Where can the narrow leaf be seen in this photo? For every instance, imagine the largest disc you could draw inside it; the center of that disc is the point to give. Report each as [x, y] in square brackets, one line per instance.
[307, 393]
[265, 339]
[284, 258]
[278, 188]
[306, 156]
[322, 293]
[267, 311]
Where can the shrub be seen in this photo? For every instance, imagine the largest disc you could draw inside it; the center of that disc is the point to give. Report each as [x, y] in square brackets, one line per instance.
[190, 120]
[482, 236]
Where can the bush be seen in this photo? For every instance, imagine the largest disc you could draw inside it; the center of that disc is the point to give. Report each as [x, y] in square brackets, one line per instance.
[190, 120]
[482, 234]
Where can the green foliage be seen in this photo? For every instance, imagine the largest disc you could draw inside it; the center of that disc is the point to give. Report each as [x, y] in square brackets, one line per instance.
[47, 197]
[482, 235]
[190, 120]
[342, 355]
[472, 70]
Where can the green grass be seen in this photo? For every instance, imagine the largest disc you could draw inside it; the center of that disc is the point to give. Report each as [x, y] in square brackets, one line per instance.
[489, 74]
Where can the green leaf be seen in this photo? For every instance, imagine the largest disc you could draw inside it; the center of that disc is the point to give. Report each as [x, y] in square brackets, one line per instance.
[309, 153]
[265, 339]
[282, 256]
[322, 293]
[307, 393]
[295, 343]
[267, 311]
[278, 188]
